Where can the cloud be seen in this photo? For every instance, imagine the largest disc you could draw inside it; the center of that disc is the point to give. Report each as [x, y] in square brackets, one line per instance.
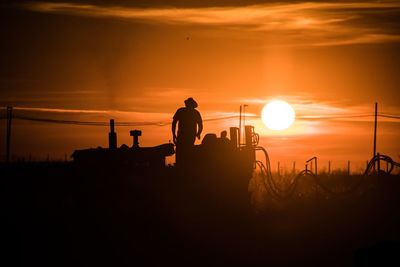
[319, 24]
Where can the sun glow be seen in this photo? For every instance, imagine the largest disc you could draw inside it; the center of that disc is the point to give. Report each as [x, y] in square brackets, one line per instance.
[278, 115]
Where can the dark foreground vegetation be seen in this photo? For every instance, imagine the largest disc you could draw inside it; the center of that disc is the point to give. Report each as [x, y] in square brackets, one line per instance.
[60, 214]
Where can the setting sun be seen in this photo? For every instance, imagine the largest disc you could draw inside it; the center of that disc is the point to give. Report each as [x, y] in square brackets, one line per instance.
[278, 115]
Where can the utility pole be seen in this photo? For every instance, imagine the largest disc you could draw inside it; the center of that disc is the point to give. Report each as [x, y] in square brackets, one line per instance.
[375, 126]
[8, 136]
[240, 125]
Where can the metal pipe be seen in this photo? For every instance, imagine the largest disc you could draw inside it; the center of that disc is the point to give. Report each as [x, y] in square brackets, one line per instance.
[112, 136]
[316, 164]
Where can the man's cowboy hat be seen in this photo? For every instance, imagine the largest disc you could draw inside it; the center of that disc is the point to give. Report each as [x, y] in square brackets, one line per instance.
[190, 103]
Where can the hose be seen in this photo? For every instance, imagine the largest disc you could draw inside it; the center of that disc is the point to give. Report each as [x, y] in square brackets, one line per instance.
[271, 186]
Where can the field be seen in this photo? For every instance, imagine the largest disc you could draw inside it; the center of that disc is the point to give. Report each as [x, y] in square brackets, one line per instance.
[60, 215]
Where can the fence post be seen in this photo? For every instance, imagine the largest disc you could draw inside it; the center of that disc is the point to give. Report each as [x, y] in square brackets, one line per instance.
[8, 141]
[329, 167]
[348, 167]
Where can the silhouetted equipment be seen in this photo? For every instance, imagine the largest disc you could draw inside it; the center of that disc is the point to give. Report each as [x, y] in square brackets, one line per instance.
[374, 165]
[234, 134]
[219, 161]
[249, 133]
[135, 134]
[132, 157]
[311, 160]
[209, 139]
[112, 136]
[224, 134]
[214, 157]
[8, 141]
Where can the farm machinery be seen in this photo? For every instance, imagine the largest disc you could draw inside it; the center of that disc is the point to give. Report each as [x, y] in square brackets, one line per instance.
[220, 161]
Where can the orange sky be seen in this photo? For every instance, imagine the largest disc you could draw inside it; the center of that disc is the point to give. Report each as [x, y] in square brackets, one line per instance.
[138, 64]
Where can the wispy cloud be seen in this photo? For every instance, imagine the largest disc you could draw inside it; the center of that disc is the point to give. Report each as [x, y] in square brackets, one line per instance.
[309, 109]
[60, 110]
[321, 24]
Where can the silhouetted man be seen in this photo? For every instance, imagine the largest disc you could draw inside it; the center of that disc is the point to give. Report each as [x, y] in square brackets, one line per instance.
[190, 126]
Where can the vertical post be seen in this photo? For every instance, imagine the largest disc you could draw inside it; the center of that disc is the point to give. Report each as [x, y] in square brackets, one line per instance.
[234, 132]
[8, 141]
[316, 166]
[311, 166]
[348, 167]
[244, 115]
[306, 167]
[112, 136]
[294, 166]
[240, 125]
[375, 126]
[248, 135]
[329, 167]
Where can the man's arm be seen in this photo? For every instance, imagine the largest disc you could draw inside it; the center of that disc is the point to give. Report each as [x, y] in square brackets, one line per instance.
[174, 121]
[200, 126]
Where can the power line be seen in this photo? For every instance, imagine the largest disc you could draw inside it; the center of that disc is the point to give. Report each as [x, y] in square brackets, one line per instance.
[389, 116]
[87, 123]
[154, 123]
[93, 123]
